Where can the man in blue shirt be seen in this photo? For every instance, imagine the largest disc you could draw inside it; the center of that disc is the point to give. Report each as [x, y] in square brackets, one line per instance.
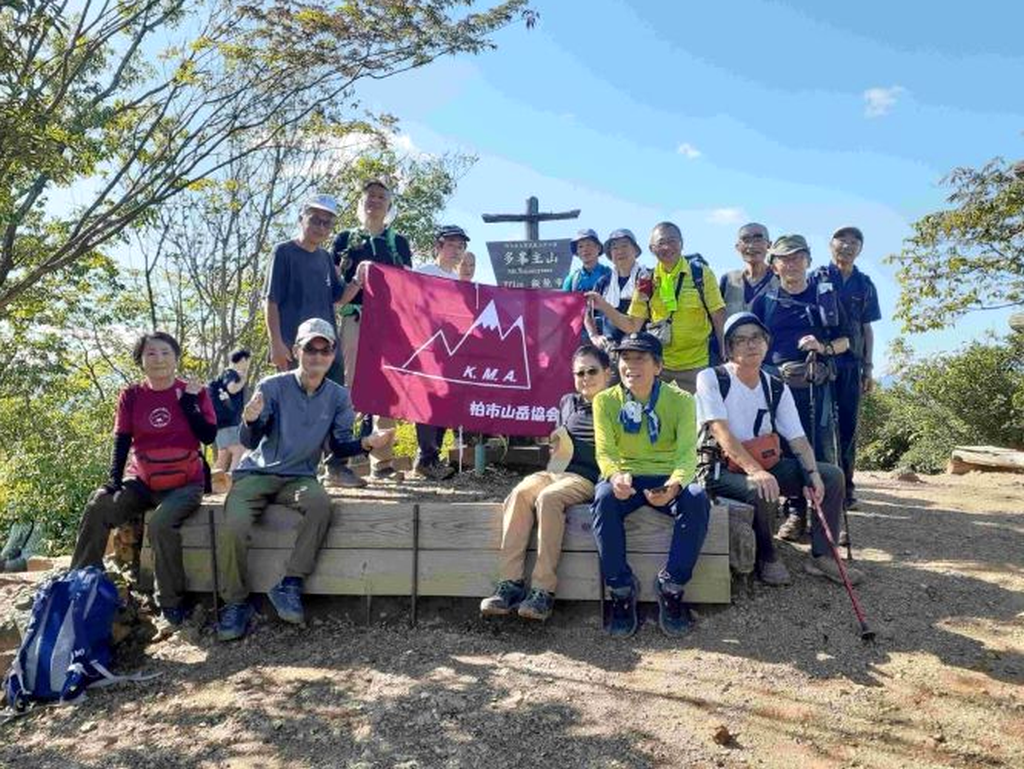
[854, 367]
[285, 426]
[809, 330]
[586, 246]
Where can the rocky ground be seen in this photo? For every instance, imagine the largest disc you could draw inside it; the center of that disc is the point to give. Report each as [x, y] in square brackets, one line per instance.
[780, 678]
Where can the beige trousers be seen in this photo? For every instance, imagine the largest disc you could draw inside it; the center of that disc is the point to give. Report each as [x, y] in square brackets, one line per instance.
[380, 458]
[548, 494]
[685, 379]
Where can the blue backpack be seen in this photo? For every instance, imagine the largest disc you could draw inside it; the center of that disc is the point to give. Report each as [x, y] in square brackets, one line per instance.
[67, 645]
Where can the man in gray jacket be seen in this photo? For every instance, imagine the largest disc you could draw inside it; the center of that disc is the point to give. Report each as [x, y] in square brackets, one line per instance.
[285, 425]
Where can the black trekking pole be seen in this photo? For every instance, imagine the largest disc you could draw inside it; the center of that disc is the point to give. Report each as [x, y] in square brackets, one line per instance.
[866, 633]
[836, 445]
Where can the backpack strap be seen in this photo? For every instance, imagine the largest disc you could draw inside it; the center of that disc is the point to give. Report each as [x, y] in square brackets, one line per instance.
[389, 237]
[772, 388]
[697, 265]
[724, 380]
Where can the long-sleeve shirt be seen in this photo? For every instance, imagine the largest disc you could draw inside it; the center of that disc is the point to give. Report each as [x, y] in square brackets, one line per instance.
[675, 452]
[289, 435]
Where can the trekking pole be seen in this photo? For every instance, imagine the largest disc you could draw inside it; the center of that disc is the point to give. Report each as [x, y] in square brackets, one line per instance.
[835, 444]
[866, 633]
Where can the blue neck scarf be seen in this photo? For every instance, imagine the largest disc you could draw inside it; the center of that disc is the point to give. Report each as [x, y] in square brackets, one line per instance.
[632, 412]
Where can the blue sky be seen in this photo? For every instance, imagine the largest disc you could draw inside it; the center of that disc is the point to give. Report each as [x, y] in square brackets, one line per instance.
[802, 115]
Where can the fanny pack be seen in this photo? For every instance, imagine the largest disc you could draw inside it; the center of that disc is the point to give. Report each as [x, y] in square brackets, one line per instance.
[800, 374]
[662, 331]
[765, 449]
[167, 468]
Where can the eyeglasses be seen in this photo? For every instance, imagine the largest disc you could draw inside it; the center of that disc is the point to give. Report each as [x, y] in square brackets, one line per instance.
[752, 238]
[311, 350]
[592, 371]
[746, 339]
[320, 221]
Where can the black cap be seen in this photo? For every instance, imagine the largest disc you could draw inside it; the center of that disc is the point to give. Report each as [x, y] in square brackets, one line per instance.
[450, 231]
[639, 342]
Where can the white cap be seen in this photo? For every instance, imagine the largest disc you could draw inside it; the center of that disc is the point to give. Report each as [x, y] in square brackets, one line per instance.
[314, 328]
[323, 202]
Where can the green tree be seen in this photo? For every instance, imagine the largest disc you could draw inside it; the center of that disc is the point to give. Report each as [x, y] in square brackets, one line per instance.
[967, 257]
[131, 103]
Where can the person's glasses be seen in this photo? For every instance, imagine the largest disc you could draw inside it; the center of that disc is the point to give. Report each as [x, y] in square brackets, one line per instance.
[592, 371]
[753, 238]
[321, 221]
[311, 350]
[747, 339]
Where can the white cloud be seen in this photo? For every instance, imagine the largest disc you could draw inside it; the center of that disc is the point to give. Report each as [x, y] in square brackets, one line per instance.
[726, 216]
[880, 101]
[688, 151]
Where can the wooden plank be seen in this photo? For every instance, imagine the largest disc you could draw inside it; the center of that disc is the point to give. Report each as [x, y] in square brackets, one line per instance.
[454, 573]
[477, 526]
[338, 572]
[473, 574]
[354, 525]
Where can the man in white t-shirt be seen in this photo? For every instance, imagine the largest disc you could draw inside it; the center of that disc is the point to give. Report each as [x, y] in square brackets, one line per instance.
[755, 405]
[449, 247]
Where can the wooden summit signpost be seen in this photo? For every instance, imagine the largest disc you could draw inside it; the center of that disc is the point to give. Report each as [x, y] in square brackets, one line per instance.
[530, 263]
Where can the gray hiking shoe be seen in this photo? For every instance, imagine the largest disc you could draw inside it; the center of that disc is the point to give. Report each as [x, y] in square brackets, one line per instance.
[825, 566]
[341, 477]
[433, 471]
[506, 598]
[775, 573]
[538, 605]
[387, 473]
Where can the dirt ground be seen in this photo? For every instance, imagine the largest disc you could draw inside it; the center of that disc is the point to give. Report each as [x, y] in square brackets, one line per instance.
[782, 670]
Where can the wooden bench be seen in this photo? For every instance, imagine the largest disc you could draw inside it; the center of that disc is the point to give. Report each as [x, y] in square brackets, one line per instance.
[443, 549]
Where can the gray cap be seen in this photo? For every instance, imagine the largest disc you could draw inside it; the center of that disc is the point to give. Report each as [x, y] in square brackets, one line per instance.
[619, 235]
[314, 328]
[585, 235]
[852, 230]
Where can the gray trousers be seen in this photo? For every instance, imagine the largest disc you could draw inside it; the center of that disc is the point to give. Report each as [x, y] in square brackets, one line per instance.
[105, 511]
[248, 499]
[787, 472]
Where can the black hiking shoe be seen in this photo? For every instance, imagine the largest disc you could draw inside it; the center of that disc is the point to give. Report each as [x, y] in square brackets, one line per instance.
[622, 621]
[506, 598]
[674, 616]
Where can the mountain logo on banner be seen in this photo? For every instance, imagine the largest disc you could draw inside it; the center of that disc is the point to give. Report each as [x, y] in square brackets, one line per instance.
[485, 356]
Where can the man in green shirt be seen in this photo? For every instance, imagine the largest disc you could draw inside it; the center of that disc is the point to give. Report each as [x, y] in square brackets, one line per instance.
[646, 437]
[695, 312]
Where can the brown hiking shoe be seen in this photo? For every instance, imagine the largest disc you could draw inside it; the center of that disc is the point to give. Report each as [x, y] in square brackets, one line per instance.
[793, 528]
[824, 566]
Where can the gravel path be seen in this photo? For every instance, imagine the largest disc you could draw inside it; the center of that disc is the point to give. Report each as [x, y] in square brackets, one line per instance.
[780, 678]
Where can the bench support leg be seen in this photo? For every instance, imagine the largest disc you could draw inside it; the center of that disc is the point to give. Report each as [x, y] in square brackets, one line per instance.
[213, 567]
[415, 564]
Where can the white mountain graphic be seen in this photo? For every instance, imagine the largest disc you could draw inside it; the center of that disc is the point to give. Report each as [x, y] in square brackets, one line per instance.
[484, 356]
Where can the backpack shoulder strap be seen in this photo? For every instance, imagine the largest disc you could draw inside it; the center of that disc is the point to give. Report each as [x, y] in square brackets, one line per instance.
[724, 380]
[697, 265]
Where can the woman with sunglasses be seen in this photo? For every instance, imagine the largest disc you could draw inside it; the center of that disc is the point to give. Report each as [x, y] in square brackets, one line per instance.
[156, 463]
[546, 495]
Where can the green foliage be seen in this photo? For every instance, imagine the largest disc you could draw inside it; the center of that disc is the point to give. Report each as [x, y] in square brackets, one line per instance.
[970, 397]
[90, 101]
[969, 256]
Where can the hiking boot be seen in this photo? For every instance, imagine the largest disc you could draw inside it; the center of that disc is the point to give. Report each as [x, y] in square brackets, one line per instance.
[387, 473]
[852, 502]
[775, 573]
[506, 598]
[622, 621]
[824, 566]
[175, 615]
[538, 605]
[433, 471]
[286, 596]
[341, 477]
[793, 528]
[234, 621]
[674, 617]
[844, 538]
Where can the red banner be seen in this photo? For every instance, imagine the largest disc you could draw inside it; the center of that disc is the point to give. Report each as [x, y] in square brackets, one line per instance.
[450, 353]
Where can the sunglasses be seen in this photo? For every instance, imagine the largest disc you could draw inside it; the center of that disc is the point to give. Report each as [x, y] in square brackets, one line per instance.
[311, 350]
[592, 371]
[320, 221]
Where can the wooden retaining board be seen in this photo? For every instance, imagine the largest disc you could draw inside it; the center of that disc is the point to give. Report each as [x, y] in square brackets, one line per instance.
[368, 551]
